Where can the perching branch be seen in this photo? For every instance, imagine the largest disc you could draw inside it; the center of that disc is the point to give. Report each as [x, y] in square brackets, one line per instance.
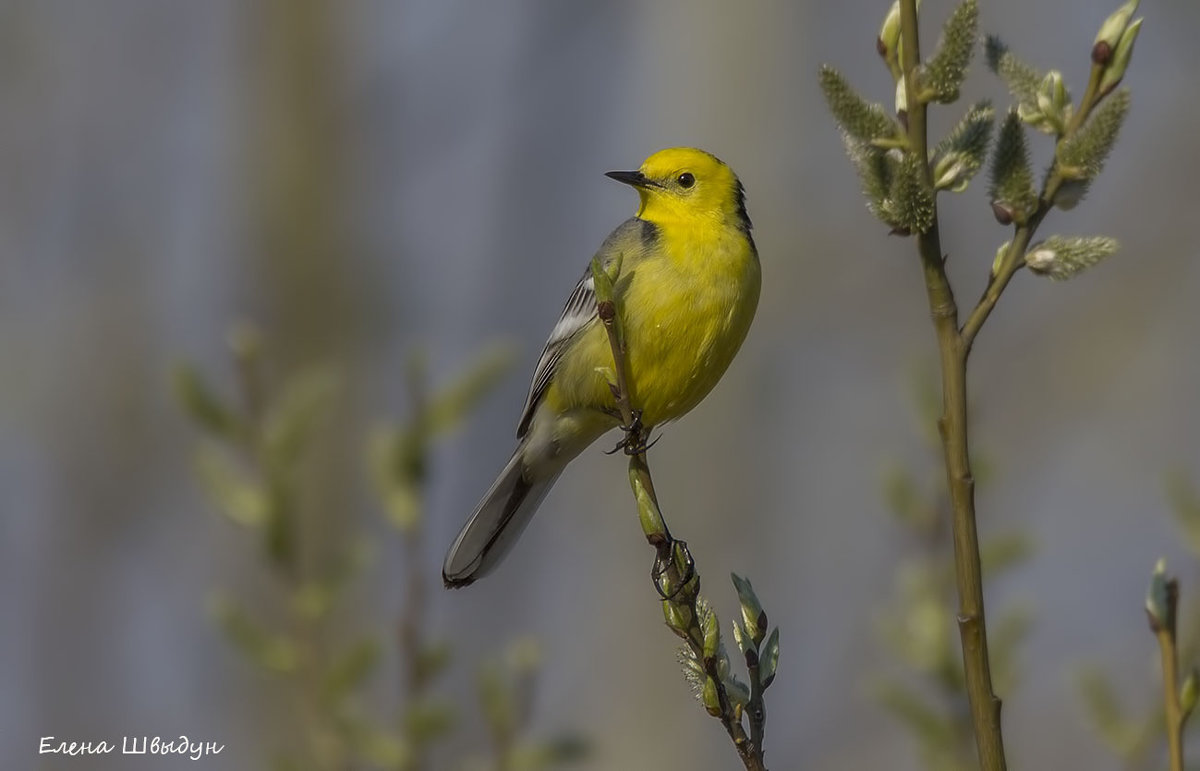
[677, 582]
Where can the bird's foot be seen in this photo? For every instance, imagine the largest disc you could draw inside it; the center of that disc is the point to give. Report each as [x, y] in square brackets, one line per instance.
[635, 441]
[668, 586]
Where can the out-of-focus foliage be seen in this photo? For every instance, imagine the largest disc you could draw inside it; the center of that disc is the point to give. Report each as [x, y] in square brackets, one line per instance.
[506, 688]
[252, 461]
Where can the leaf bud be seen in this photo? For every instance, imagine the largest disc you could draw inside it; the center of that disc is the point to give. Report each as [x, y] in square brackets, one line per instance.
[1114, 27]
[1120, 58]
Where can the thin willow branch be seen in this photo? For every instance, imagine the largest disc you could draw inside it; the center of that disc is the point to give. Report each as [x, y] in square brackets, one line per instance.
[953, 351]
[1162, 611]
[1014, 258]
[674, 574]
[1174, 712]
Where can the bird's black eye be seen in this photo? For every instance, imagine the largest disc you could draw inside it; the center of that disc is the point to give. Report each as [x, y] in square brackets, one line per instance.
[686, 180]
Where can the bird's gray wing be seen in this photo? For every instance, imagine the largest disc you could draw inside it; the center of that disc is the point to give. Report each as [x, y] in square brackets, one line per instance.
[578, 312]
[631, 236]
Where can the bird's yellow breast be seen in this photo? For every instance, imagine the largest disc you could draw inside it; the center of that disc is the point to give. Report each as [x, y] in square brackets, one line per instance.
[687, 304]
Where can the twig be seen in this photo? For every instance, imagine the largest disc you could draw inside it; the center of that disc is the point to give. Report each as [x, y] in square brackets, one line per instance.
[1170, 668]
[954, 350]
[1162, 605]
[954, 345]
[674, 573]
[410, 638]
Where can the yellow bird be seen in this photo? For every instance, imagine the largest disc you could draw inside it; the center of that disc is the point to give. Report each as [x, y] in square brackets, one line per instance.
[688, 288]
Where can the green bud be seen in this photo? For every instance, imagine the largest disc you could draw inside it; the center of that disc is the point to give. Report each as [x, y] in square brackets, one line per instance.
[1189, 693]
[722, 664]
[754, 618]
[1120, 58]
[1032, 116]
[768, 662]
[1000, 253]
[1053, 102]
[1051, 109]
[1161, 599]
[888, 43]
[963, 151]
[743, 641]
[901, 96]
[951, 173]
[710, 697]
[738, 693]
[712, 635]
[1114, 26]
[1061, 257]
[677, 616]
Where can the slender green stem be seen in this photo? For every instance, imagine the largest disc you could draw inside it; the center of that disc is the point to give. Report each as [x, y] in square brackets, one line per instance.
[410, 636]
[674, 571]
[1174, 711]
[953, 353]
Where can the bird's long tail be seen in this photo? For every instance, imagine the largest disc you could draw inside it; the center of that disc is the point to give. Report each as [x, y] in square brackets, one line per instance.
[496, 523]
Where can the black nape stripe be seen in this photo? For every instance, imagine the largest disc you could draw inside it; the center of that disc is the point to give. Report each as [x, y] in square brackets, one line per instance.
[743, 217]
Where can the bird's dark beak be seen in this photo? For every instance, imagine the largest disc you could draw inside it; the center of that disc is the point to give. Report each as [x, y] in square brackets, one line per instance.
[633, 178]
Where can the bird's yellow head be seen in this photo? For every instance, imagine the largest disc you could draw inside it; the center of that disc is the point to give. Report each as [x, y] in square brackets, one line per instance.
[686, 185]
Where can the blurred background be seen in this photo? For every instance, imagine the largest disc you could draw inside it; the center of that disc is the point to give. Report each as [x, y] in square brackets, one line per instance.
[366, 179]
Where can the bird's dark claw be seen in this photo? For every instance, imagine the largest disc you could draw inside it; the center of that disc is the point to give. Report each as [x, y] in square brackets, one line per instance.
[635, 439]
[663, 564]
